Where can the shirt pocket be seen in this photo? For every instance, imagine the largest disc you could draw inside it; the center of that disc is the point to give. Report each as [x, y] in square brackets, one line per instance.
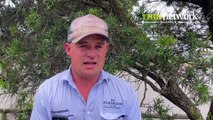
[112, 116]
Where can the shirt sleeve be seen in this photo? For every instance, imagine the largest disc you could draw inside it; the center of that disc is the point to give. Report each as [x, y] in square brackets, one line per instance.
[133, 109]
[39, 111]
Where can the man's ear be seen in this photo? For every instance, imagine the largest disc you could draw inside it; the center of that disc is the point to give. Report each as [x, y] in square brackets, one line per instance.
[67, 47]
[107, 46]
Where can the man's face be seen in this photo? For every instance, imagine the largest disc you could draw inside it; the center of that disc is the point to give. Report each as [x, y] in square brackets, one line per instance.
[88, 55]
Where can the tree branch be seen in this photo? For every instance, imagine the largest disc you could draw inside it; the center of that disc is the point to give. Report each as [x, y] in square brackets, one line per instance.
[101, 5]
[155, 88]
[196, 2]
[144, 95]
[156, 78]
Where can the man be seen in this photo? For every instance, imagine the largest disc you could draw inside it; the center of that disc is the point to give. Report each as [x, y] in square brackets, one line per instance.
[85, 91]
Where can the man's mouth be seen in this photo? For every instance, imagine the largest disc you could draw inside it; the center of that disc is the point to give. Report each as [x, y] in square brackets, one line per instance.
[90, 63]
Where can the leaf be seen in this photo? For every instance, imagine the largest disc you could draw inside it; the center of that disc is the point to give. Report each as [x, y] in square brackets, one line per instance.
[3, 85]
[33, 20]
[2, 64]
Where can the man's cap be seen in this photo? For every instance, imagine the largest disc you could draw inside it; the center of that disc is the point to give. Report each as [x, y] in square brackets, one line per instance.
[86, 25]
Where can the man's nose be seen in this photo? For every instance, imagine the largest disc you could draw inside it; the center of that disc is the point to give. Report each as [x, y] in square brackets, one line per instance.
[91, 53]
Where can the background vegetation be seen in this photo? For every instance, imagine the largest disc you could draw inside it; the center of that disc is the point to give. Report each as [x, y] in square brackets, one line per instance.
[168, 57]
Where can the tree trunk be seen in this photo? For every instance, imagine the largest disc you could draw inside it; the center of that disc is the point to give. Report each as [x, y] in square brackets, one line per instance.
[179, 98]
[207, 8]
[172, 92]
[210, 114]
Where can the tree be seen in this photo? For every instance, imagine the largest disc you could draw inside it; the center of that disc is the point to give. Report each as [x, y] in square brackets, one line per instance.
[207, 9]
[32, 33]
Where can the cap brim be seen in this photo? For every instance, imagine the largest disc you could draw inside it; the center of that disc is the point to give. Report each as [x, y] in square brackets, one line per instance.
[92, 32]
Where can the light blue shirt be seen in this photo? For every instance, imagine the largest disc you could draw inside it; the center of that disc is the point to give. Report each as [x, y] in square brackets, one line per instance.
[110, 99]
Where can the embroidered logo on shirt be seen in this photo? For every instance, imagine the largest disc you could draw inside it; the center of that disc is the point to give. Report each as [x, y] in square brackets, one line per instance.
[112, 104]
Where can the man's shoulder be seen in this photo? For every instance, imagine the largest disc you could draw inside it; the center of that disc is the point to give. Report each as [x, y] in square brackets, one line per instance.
[118, 81]
[119, 86]
[57, 78]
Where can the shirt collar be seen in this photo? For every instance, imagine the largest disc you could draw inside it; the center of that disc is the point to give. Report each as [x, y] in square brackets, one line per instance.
[68, 77]
[103, 77]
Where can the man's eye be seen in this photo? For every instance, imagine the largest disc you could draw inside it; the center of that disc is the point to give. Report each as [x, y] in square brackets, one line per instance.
[98, 46]
[82, 46]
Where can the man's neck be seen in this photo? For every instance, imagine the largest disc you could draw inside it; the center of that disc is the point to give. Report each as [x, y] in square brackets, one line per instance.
[84, 84]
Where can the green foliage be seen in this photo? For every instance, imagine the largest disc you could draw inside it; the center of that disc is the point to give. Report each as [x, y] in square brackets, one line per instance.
[4, 116]
[25, 103]
[209, 116]
[3, 85]
[33, 20]
[2, 64]
[165, 54]
[94, 11]
[196, 116]
[50, 4]
[148, 118]
[159, 108]
[203, 93]
[165, 42]
[15, 48]
[15, 51]
[162, 110]
[194, 42]
[14, 29]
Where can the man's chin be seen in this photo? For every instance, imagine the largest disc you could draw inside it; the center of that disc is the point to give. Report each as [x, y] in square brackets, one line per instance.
[91, 73]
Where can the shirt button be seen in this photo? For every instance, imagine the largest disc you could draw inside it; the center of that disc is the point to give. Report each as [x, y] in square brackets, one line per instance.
[88, 112]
